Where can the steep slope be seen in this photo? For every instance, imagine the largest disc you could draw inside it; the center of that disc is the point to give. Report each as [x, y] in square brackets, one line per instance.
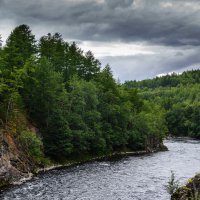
[14, 162]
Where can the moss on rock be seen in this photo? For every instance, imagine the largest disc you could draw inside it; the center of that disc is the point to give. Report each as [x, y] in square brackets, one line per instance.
[191, 191]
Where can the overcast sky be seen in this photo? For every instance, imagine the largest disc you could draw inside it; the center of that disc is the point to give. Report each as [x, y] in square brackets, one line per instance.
[138, 38]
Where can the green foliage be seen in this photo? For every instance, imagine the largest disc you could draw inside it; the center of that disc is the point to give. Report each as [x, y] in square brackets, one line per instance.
[90, 67]
[0, 42]
[32, 145]
[173, 80]
[184, 120]
[53, 48]
[78, 108]
[47, 103]
[68, 59]
[20, 45]
[179, 95]
[173, 184]
[83, 117]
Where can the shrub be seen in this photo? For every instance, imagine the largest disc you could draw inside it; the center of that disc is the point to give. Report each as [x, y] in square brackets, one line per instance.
[173, 184]
[32, 145]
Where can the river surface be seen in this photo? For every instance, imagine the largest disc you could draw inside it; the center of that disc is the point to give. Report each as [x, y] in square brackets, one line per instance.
[138, 178]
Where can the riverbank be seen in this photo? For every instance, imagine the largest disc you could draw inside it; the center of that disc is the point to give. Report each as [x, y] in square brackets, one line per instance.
[190, 191]
[130, 177]
[29, 175]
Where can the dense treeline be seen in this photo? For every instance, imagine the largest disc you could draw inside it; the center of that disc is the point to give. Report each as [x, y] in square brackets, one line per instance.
[173, 80]
[179, 95]
[75, 104]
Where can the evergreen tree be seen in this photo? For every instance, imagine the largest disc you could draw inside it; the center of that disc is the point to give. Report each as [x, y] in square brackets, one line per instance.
[74, 60]
[90, 68]
[0, 42]
[48, 107]
[20, 46]
[79, 108]
[53, 48]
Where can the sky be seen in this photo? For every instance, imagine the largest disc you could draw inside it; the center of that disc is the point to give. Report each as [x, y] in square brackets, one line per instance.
[139, 38]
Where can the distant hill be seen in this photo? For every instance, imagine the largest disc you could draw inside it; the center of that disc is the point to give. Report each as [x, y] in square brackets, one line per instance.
[179, 96]
[173, 80]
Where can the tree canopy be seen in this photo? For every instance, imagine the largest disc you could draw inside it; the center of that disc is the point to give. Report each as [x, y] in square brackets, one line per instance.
[78, 107]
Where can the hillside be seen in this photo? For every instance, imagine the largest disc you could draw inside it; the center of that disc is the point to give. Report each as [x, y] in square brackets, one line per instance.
[58, 103]
[173, 80]
[179, 96]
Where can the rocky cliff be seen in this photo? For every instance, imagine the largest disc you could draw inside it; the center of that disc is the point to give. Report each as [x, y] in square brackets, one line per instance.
[14, 163]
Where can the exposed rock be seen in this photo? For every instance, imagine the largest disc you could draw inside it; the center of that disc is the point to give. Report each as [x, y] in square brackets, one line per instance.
[154, 144]
[14, 164]
[191, 191]
[16, 167]
[162, 147]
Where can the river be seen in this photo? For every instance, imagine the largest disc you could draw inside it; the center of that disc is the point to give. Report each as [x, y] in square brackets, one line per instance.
[138, 178]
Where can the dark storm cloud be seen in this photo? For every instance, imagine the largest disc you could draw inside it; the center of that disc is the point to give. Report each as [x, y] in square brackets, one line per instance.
[179, 54]
[119, 3]
[140, 67]
[170, 27]
[167, 22]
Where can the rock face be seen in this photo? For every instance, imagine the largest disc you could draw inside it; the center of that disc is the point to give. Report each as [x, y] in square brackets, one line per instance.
[14, 164]
[191, 191]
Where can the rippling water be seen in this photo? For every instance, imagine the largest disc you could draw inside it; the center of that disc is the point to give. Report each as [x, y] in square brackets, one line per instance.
[138, 178]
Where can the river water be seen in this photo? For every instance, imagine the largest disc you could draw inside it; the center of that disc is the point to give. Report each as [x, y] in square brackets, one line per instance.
[138, 178]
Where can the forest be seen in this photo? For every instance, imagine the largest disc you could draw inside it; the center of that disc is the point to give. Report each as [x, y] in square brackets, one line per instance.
[60, 102]
[179, 96]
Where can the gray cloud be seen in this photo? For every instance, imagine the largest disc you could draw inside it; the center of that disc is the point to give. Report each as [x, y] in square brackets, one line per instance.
[179, 54]
[119, 3]
[170, 24]
[167, 22]
[140, 67]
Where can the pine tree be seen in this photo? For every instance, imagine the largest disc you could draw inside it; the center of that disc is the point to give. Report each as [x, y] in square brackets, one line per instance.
[53, 48]
[20, 46]
[48, 108]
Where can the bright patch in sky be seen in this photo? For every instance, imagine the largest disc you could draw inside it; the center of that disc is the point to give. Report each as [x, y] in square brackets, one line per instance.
[102, 49]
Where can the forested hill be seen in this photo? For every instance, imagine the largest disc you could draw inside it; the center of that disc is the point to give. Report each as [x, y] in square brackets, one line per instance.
[58, 101]
[179, 96]
[173, 80]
